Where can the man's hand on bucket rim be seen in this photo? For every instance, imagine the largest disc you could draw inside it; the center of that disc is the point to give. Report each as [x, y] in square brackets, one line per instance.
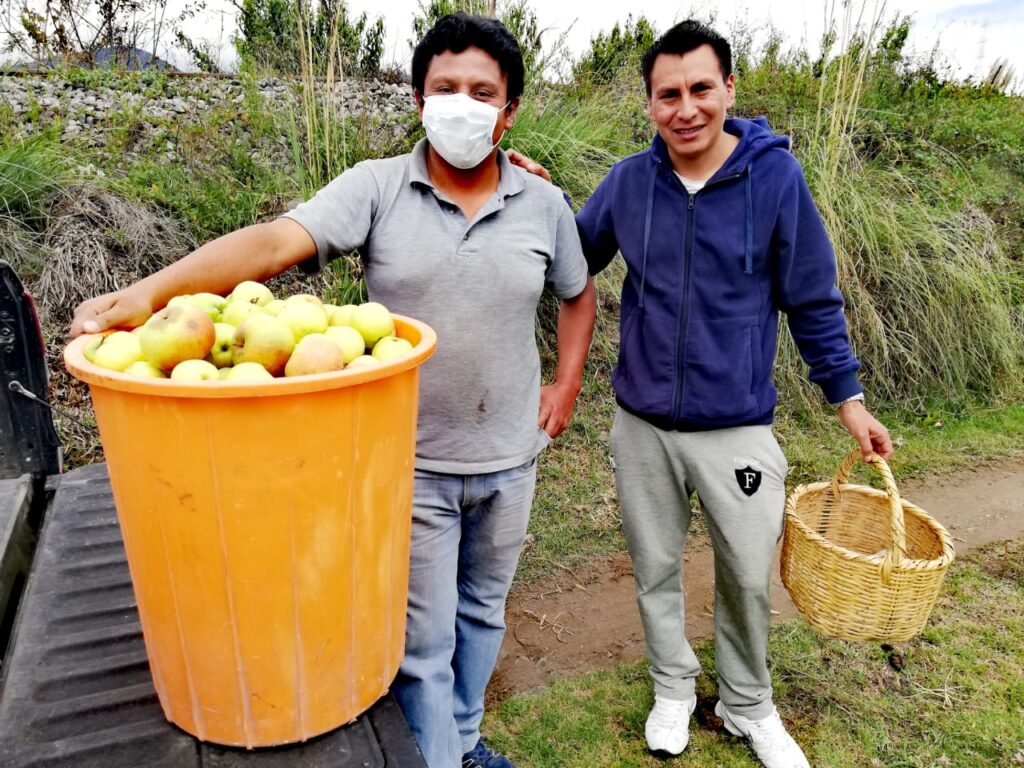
[120, 309]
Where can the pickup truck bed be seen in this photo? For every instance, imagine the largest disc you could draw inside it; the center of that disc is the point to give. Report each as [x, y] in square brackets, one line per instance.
[76, 689]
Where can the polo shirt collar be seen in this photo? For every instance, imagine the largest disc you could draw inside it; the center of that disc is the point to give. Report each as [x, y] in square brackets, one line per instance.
[510, 183]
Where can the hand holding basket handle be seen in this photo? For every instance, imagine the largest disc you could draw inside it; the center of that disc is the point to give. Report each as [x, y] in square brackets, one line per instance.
[870, 434]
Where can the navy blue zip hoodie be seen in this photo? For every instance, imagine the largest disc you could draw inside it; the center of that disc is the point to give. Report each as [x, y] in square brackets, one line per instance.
[707, 276]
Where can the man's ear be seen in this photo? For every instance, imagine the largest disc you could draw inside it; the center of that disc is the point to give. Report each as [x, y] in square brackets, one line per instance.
[510, 113]
[417, 98]
[730, 89]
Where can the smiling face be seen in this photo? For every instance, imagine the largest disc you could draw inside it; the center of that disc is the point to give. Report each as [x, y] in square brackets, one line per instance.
[474, 73]
[688, 102]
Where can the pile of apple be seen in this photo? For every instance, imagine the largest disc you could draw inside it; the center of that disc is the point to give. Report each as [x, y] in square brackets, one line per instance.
[250, 335]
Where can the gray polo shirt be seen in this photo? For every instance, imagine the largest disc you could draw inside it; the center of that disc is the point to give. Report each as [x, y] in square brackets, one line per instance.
[477, 284]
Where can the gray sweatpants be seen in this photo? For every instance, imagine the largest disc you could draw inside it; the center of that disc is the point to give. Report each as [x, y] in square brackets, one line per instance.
[738, 475]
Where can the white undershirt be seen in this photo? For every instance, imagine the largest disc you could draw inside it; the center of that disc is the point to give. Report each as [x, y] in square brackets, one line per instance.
[693, 187]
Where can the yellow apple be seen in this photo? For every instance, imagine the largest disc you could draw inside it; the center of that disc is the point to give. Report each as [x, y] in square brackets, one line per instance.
[174, 334]
[372, 320]
[92, 346]
[363, 361]
[263, 339]
[388, 347]
[341, 315]
[315, 353]
[223, 345]
[117, 351]
[251, 292]
[349, 339]
[195, 370]
[307, 297]
[274, 307]
[236, 312]
[210, 303]
[303, 317]
[246, 372]
[145, 370]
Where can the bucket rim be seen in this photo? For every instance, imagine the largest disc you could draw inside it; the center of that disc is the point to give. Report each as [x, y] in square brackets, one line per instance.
[405, 327]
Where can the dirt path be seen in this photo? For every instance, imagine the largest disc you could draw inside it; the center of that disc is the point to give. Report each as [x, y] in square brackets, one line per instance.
[586, 620]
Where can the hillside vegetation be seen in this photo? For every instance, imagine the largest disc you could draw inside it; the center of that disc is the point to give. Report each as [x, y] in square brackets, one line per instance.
[920, 182]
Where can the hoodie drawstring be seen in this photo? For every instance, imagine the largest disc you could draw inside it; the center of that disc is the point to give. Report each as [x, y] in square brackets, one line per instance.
[647, 233]
[748, 253]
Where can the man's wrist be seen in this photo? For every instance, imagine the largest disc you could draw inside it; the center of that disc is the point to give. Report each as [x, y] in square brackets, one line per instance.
[858, 398]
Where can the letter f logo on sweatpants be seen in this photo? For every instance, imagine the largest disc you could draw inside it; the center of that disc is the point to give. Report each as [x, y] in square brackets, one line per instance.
[749, 479]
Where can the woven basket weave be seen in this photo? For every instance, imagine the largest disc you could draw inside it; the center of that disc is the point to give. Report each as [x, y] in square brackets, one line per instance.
[862, 563]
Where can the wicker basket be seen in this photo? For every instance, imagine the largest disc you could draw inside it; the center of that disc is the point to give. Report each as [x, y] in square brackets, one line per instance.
[862, 563]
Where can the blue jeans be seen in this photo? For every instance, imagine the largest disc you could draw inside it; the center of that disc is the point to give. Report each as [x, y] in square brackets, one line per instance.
[467, 533]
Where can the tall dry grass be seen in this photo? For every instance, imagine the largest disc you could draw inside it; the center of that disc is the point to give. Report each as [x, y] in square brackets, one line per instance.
[932, 298]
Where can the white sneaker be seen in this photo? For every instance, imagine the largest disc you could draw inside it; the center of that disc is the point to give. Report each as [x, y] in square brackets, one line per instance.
[668, 725]
[769, 739]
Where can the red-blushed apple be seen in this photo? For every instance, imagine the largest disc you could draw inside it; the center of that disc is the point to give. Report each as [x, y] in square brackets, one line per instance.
[263, 339]
[174, 334]
[315, 353]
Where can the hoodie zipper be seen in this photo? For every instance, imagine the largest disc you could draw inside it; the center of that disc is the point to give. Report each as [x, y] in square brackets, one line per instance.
[684, 314]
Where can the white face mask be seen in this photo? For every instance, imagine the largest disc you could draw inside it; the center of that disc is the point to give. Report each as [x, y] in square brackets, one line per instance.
[460, 128]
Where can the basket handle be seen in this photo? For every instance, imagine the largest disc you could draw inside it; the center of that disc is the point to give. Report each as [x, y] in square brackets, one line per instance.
[898, 547]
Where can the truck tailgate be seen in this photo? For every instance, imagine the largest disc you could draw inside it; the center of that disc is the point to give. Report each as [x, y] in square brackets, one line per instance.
[76, 689]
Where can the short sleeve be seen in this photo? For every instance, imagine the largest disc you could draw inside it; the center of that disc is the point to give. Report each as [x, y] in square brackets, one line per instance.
[339, 217]
[567, 272]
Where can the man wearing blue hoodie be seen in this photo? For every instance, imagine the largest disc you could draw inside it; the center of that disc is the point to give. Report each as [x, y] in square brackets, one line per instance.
[719, 234]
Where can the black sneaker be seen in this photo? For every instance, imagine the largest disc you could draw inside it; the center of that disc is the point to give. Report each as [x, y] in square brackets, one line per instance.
[482, 756]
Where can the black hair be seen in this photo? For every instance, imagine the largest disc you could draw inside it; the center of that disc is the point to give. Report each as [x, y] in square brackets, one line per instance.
[684, 37]
[459, 31]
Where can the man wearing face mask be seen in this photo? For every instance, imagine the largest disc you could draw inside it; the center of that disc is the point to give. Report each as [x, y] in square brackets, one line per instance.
[455, 236]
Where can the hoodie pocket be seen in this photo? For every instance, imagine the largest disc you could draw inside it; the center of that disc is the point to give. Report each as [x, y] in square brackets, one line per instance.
[719, 370]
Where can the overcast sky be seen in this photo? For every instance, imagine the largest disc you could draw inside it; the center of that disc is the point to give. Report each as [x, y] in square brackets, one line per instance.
[971, 35]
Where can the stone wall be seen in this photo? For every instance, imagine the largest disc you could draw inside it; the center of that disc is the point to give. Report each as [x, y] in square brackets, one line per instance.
[82, 106]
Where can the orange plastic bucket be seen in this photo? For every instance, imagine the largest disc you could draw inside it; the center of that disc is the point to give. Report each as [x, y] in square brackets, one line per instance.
[267, 530]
